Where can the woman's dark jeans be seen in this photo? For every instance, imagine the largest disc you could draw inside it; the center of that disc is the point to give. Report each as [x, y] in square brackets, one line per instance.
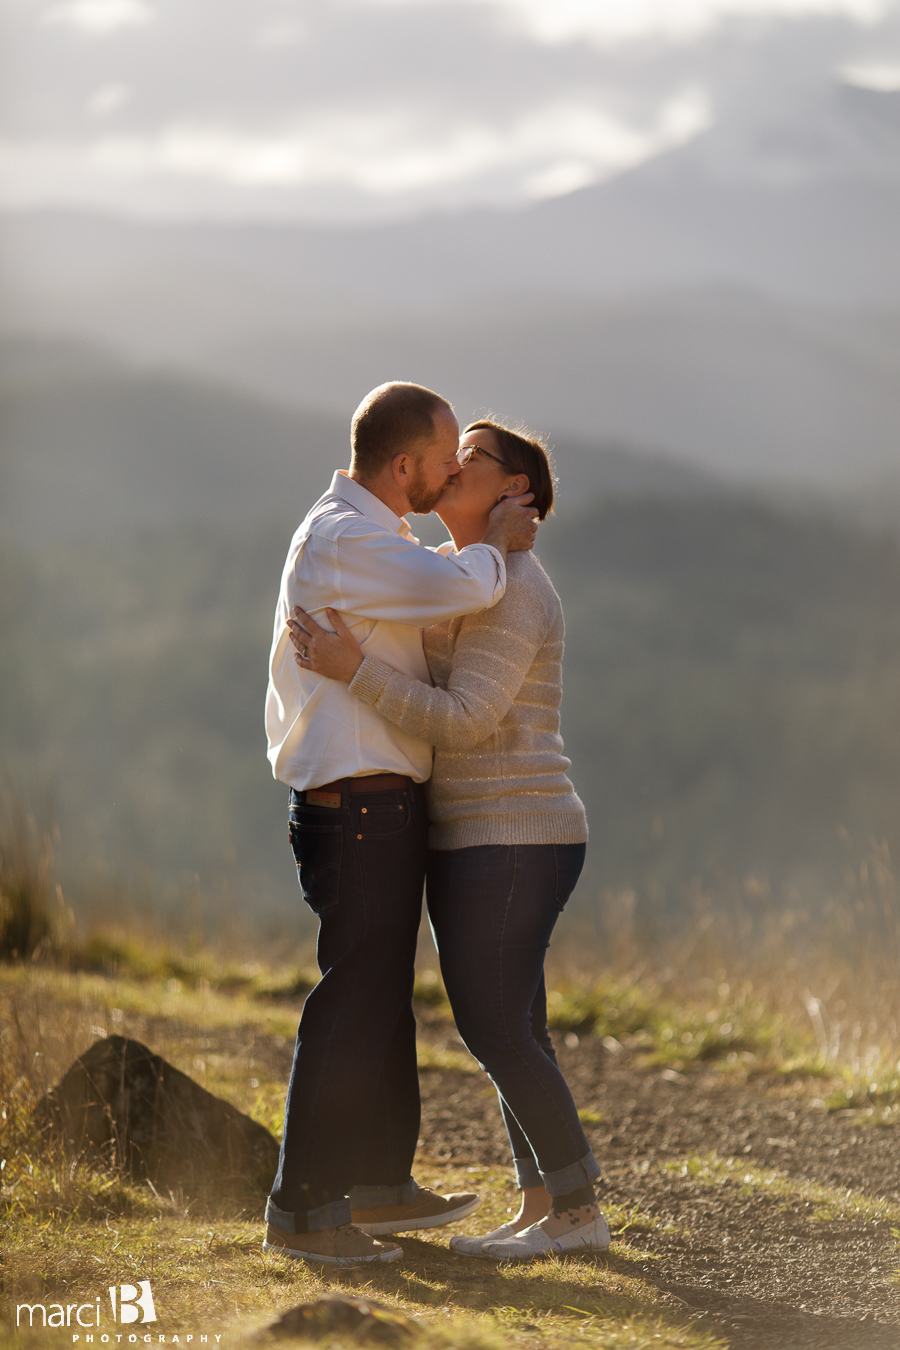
[352, 1112]
[492, 912]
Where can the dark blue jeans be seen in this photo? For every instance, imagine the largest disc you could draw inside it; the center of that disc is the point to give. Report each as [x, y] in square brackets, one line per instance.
[352, 1111]
[492, 912]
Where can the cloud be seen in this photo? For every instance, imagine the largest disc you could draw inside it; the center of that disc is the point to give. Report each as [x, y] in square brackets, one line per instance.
[99, 16]
[281, 32]
[354, 108]
[615, 21]
[882, 77]
[107, 99]
[543, 153]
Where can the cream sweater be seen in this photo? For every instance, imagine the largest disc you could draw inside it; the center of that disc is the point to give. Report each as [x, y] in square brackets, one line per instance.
[493, 719]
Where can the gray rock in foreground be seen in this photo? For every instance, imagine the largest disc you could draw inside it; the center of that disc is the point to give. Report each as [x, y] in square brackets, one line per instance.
[340, 1314]
[121, 1105]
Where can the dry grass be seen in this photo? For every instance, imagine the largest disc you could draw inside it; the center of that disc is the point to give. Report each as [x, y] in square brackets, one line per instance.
[825, 1203]
[70, 1232]
[751, 983]
[754, 985]
[763, 990]
[69, 1229]
[34, 919]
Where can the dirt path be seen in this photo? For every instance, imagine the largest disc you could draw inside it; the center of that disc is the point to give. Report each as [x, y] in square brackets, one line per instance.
[759, 1268]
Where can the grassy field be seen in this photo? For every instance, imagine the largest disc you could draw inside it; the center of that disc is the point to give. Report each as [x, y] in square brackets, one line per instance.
[778, 1067]
[70, 1233]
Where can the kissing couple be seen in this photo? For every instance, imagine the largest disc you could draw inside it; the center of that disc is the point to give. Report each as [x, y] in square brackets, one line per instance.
[413, 711]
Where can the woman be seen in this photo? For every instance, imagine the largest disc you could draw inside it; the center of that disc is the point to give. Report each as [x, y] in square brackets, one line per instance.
[507, 839]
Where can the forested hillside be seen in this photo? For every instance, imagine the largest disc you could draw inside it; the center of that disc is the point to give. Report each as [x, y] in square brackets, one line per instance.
[732, 689]
[732, 698]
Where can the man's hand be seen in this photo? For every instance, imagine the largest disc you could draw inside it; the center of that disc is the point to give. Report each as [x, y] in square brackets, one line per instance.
[512, 525]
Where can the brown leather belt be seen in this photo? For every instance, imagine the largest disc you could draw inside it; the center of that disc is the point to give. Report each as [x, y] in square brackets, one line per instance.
[375, 782]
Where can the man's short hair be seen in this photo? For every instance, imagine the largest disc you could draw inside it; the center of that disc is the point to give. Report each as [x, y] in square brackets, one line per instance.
[389, 421]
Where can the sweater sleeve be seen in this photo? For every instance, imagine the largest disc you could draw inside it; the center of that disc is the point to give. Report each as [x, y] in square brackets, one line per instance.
[494, 651]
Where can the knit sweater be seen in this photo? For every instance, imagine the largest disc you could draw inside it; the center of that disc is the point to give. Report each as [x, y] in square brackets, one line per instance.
[493, 718]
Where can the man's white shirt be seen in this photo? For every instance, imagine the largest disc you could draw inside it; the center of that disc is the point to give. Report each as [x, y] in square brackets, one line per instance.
[353, 553]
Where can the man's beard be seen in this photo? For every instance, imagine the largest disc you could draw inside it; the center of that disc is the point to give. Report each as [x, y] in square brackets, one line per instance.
[422, 498]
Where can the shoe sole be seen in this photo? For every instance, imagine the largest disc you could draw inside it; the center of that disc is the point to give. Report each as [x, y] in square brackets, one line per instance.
[470, 1256]
[480, 1255]
[517, 1259]
[427, 1221]
[314, 1259]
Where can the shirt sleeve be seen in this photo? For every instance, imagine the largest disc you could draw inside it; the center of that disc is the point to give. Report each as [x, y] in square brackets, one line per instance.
[494, 651]
[385, 576]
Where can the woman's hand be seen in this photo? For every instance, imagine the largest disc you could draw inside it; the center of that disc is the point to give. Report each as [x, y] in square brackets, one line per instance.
[335, 655]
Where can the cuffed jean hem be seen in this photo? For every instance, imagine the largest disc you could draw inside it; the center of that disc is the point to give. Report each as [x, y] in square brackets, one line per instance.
[567, 1179]
[332, 1215]
[528, 1174]
[373, 1197]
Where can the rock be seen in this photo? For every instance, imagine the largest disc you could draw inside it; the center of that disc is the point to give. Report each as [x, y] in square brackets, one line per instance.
[340, 1314]
[121, 1105]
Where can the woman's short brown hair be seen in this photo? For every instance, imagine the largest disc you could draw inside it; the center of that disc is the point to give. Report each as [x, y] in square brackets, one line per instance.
[524, 452]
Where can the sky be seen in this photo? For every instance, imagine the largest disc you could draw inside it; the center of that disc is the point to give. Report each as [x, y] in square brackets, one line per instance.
[372, 109]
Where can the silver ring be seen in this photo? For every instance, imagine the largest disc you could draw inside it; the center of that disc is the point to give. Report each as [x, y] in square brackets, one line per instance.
[304, 653]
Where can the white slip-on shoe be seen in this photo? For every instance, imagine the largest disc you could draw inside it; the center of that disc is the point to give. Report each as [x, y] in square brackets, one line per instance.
[467, 1245]
[533, 1241]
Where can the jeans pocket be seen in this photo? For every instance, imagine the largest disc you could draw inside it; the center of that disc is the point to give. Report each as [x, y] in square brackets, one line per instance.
[568, 861]
[377, 819]
[318, 850]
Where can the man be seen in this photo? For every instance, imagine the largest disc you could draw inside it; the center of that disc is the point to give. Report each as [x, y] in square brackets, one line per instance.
[358, 829]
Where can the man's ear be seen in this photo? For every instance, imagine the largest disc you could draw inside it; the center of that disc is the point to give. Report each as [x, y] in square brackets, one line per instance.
[516, 487]
[402, 468]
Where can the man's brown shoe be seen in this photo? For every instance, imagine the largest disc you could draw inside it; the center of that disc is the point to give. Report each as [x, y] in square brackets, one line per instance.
[344, 1246]
[428, 1210]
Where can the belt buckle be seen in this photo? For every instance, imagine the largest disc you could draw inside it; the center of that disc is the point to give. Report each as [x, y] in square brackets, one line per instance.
[313, 797]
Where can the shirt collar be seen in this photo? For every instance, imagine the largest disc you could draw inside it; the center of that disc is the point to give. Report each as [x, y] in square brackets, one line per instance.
[372, 507]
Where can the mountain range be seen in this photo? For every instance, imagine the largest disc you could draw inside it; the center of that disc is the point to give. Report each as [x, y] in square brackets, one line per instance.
[92, 447]
[732, 304]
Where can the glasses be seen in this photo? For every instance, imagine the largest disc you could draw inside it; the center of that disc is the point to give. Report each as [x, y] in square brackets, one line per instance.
[465, 453]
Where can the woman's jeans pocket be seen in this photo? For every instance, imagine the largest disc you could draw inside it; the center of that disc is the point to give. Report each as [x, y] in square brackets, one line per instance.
[568, 859]
[317, 852]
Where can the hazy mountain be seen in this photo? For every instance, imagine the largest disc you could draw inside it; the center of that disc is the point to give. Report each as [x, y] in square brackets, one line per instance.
[109, 451]
[90, 446]
[793, 130]
[732, 699]
[173, 395]
[734, 303]
[736, 382]
[180, 288]
[743, 385]
[801, 197]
